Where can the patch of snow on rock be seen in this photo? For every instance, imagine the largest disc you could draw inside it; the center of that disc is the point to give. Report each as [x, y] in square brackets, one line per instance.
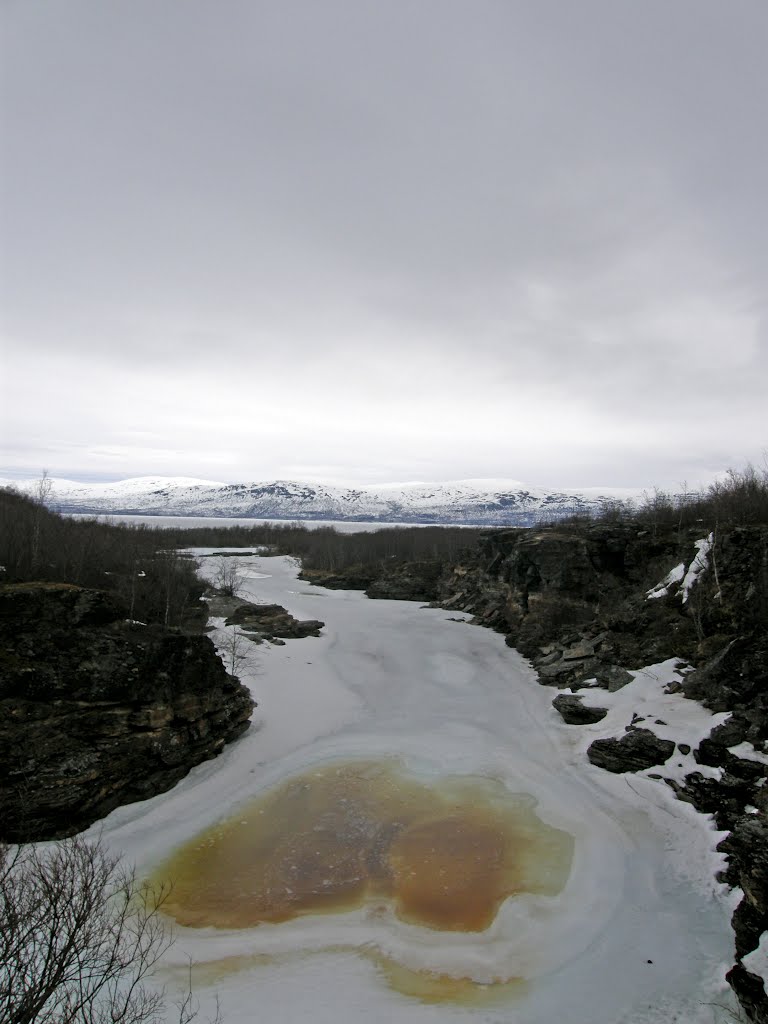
[646, 704]
[748, 753]
[699, 564]
[662, 589]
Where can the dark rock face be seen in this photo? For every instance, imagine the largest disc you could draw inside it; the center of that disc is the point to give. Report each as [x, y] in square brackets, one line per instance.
[750, 992]
[574, 601]
[353, 578]
[401, 581]
[574, 711]
[747, 847]
[637, 750]
[267, 621]
[735, 676]
[412, 581]
[96, 712]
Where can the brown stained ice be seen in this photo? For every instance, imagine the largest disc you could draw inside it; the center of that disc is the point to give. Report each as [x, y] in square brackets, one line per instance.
[444, 853]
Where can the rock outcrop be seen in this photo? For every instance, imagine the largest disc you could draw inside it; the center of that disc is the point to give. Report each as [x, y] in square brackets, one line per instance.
[395, 581]
[96, 711]
[747, 848]
[580, 594]
[588, 603]
[270, 622]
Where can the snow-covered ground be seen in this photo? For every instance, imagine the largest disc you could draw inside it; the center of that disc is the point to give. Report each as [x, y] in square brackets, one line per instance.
[639, 934]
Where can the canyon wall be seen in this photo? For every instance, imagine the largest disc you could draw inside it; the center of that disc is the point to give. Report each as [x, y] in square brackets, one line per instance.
[97, 711]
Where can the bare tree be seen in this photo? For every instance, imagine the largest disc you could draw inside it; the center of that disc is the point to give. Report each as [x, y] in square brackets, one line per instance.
[228, 577]
[235, 650]
[42, 495]
[79, 936]
[43, 488]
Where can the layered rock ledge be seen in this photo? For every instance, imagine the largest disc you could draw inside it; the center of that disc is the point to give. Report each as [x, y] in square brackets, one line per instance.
[591, 605]
[96, 711]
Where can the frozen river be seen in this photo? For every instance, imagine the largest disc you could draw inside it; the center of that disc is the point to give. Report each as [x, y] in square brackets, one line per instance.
[635, 931]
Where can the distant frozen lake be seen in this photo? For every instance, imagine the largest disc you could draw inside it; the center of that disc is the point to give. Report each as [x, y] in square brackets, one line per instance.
[190, 522]
[635, 932]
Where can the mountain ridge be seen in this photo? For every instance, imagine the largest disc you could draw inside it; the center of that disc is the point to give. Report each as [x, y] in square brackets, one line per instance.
[488, 502]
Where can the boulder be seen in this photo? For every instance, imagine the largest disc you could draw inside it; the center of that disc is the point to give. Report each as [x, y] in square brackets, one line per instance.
[268, 621]
[574, 712]
[355, 577]
[636, 750]
[612, 677]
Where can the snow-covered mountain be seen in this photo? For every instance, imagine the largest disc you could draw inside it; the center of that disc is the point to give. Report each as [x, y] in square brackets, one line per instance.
[480, 502]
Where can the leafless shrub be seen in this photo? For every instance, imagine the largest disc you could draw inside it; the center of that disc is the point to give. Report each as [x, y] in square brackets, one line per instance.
[235, 650]
[742, 497]
[228, 577]
[79, 937]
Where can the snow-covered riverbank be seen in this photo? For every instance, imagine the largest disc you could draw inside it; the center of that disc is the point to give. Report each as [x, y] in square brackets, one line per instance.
[640, 932]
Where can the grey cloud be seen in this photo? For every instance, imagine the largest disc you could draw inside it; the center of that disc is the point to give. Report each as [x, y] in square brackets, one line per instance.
[393, 210]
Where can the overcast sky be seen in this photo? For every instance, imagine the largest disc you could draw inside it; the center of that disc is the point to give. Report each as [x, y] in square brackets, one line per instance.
[363, 241]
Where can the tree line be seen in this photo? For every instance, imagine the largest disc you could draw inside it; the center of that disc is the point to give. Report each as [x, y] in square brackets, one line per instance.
[326, 548]
[739, 498]
[145, 567]
[154, 581]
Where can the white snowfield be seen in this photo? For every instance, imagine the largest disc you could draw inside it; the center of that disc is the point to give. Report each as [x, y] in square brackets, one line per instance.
[639, 935]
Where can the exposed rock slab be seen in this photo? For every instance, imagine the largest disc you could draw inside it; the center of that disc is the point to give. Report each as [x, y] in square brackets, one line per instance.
[96, 712]
[269, 621]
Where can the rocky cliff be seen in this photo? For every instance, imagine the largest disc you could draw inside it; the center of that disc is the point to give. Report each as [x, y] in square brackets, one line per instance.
[590, 605]
[96, 711]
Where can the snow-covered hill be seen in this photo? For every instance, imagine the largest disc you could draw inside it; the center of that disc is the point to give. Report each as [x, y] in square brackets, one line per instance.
[483, 502]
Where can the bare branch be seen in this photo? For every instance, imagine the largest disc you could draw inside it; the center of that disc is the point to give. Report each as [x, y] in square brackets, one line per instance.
[79, 937]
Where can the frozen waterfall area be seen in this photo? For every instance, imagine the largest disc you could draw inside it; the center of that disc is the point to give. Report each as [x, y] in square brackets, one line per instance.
[410, 833]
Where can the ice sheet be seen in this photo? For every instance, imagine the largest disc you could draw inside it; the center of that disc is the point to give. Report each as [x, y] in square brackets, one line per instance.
[640, 933]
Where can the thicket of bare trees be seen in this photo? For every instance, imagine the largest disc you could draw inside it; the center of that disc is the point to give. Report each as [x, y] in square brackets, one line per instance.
[80, 937]
[139, 565]
[740, 498]
[326, 548]
[142, 563]
[228, 577]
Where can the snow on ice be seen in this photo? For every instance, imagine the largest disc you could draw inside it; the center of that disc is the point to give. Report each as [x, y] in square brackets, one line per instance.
[640, 932]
